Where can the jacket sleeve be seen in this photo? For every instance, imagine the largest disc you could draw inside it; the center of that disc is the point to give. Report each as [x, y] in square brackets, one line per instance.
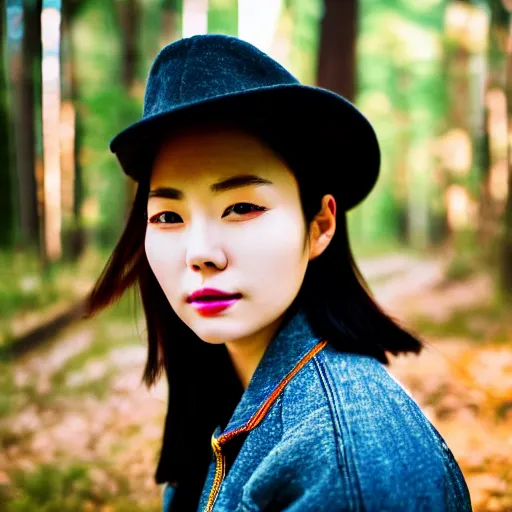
[377, 452]
[399, 461]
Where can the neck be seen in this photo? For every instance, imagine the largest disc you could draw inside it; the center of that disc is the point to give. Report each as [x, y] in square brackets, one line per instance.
[246, 353]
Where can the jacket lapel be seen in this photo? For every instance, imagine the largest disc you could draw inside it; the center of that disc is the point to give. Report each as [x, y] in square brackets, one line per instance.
[292, 347]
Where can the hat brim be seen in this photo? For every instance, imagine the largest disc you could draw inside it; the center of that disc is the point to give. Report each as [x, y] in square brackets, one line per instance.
[325, 123]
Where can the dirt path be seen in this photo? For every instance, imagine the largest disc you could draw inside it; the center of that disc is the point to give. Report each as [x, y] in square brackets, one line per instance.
[80, 402]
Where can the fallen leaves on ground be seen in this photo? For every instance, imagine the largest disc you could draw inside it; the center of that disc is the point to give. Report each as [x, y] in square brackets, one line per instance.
[465, 389]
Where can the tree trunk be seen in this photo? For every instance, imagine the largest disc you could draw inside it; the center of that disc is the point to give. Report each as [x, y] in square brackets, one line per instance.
[23, 66]
[129, 15]
[506, 274]
[491, 207]
[7, 206]
[507, 244]
[336, 61]
[75, 237]
[35, 47]
[128, 11]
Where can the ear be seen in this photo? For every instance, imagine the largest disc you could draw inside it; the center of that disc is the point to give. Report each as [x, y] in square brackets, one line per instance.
[322, 227]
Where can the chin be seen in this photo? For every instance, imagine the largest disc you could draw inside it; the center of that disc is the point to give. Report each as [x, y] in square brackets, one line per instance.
[217, 334]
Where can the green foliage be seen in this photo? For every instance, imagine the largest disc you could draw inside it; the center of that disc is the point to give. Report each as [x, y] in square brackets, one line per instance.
[105, 108]
[108, 112]
[479, 324]
[149, 34]
[306, 16]
[8, 387]
[223, 17]
[467, 260]
[50, 489]
[403, 92]
[127, 307]
[96, 45]
[61, 488]
[460, 268]
[21, 285]
[26, 291]
[498, 12]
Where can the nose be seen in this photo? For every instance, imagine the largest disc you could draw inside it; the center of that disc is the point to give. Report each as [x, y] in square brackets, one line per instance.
[203, 249]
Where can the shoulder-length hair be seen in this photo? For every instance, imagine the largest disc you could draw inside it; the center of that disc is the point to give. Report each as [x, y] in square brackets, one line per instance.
[203, 388]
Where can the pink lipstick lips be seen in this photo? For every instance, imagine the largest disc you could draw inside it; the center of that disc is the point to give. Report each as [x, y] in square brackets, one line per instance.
[209, 301]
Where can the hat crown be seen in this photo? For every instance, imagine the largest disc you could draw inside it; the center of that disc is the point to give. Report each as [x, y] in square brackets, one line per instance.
[208, 66]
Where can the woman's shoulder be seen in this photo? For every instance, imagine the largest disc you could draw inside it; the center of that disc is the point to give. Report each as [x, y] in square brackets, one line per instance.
[345, 377]
[349, 424]
[370, 403]
[360, 401]
[350, 403]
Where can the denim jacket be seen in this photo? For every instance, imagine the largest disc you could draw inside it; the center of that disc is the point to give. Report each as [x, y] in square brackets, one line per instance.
[322, 430]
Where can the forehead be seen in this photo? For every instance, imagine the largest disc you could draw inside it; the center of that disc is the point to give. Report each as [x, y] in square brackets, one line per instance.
[211, 152]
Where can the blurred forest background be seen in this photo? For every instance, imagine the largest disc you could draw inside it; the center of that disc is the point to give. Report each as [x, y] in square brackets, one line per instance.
[434, 238]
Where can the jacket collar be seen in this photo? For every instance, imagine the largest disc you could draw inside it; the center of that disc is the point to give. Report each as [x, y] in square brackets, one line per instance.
[291, 348]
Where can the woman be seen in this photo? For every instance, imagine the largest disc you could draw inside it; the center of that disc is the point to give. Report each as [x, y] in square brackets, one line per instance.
[273, 348]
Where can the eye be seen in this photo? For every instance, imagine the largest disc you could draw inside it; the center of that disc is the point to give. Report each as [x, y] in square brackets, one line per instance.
[165, 218]
[243, 209]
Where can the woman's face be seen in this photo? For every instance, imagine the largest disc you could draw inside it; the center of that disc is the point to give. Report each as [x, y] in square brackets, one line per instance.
[224, 212]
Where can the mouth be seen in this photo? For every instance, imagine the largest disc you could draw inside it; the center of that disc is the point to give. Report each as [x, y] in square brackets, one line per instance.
[215, 298]
[209, 305]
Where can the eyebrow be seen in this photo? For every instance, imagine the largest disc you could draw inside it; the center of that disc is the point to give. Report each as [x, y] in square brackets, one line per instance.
[234, 182]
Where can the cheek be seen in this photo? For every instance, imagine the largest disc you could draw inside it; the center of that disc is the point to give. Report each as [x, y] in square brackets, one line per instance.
[161, 255]
[275, 250]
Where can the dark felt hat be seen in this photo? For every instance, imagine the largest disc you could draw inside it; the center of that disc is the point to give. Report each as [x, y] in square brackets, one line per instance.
[214, 76]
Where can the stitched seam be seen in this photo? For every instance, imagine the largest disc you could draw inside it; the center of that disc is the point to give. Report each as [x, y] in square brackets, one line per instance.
[258, 416]
[336, 414]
